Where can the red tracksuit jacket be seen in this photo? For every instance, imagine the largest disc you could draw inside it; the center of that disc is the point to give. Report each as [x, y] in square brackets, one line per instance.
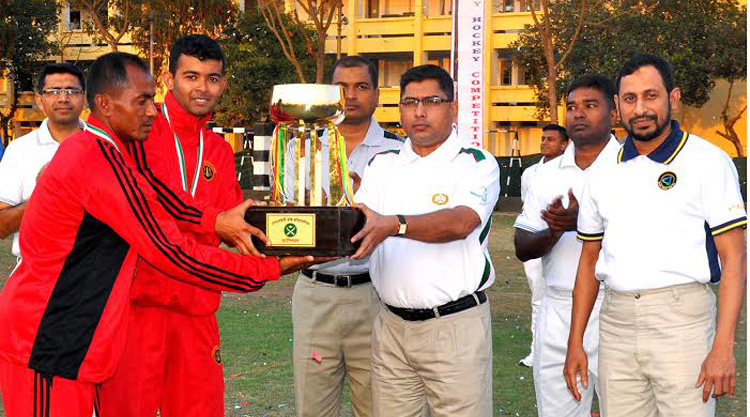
[217, 187]
[62, 310]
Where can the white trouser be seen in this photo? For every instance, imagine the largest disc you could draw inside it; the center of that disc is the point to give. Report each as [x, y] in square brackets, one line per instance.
[553, 326]
[537, 284]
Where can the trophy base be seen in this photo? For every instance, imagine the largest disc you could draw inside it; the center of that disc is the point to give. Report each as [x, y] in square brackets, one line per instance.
[302, 231]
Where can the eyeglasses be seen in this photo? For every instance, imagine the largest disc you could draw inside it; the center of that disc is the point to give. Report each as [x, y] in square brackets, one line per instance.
[427, 102]
[60, 91]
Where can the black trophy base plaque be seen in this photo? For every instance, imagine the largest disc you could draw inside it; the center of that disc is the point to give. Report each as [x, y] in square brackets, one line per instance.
[301, 231]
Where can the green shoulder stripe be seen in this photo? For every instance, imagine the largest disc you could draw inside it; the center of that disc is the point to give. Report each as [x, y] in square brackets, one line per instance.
[486, 272]
[391, 135]
[476, 153]
[485, 231]
[396, 151]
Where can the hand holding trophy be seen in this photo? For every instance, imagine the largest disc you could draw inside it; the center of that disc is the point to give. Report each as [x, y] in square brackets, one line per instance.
[311, 212]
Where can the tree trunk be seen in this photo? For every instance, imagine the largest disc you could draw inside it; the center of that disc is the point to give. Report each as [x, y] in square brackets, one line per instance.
[551, 83]
[729, 133]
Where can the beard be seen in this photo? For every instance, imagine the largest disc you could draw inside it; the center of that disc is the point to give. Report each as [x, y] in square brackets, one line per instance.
[647, 137]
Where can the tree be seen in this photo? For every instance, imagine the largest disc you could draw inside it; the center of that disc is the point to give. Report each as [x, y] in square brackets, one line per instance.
[730, 63]
[176, 18]
[703, 40]
[32, 22]
[110, 27]
[548, 47]
[255, 63]
[320, 14]
[553, 58]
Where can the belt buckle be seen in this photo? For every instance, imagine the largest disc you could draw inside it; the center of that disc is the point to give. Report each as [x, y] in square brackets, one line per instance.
[348, 280]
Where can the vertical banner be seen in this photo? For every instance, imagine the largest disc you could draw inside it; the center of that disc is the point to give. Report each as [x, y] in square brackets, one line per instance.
[467, 57]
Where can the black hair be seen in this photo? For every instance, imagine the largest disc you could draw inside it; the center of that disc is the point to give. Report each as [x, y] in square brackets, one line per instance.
[358, 61]
[198, 46]
[598, 82]
[59, 68]
[109, 71]
[558, 128]
[429, 72]
[642, 60]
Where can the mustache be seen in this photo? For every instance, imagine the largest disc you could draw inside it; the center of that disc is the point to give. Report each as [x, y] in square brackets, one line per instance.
[651, 117]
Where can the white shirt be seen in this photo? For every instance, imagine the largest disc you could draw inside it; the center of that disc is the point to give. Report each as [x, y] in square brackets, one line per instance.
[413, 274]
[528, 177]
[554, 179]
[20, 166]
[656, 214]
[376, 140]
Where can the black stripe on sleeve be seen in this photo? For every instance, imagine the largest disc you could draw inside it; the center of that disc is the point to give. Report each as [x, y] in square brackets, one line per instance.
[172, 252]
[166, 197]
[153, 226]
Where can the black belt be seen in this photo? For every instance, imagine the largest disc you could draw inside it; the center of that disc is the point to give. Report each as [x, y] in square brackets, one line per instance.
[337, 280]
[421, 314]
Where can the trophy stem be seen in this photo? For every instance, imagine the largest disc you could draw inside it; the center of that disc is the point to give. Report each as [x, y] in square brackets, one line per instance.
[299, 166]
[316, 169]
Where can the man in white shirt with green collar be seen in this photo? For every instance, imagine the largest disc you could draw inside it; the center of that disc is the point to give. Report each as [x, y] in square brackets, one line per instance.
[429, 209]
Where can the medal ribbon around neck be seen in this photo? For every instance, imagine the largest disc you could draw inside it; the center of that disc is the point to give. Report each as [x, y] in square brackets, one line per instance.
[181, 156]
[102, 134]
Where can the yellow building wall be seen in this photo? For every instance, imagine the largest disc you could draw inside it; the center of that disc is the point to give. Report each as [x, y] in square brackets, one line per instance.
[412, 31]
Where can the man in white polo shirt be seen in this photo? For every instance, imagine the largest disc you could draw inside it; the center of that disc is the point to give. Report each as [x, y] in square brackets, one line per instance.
[428, 211]
[546, 229]
[334, 304]
[660, 215]
[553, 142]
[60, 94]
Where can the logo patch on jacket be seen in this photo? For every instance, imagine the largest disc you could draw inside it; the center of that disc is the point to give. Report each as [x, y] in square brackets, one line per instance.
[667, 180]
[440, 199]
[208, 171]
[216, 353]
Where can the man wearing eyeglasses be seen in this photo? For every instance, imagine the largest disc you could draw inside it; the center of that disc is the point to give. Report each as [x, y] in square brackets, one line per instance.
[60, 95]
[428, 211]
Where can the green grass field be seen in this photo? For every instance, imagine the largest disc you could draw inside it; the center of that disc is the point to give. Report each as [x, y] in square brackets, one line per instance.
[257, 341]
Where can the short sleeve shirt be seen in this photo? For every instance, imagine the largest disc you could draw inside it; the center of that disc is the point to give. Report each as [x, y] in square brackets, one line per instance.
[20, 166]
[528, 177]
[413, 274]
[656, 214]
[553, 180]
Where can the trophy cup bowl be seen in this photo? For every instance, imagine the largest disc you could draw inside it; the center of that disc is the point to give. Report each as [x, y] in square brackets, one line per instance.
[316, 223]
[314, 104]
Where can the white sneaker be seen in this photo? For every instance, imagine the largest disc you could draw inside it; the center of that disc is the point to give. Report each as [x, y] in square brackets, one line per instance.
[527, 361]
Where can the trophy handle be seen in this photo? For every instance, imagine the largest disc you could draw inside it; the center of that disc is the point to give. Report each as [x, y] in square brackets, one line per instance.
[340, 183]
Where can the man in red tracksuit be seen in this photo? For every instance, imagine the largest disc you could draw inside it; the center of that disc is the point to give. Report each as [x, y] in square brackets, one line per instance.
[172, 360]
[64, 310]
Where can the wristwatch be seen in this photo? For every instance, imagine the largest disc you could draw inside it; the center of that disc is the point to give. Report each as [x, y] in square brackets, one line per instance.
[401, 225]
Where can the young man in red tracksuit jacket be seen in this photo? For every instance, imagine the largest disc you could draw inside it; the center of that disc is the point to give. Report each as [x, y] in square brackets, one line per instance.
[64, 310]
[172, 360]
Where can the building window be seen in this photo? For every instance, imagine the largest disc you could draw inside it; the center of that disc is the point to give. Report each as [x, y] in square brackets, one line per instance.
[504, 6]
[526, 5]
[391, 71]
[438, 7]
[441, 59]
[506, 72]
[521, 75]
[74, 20]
